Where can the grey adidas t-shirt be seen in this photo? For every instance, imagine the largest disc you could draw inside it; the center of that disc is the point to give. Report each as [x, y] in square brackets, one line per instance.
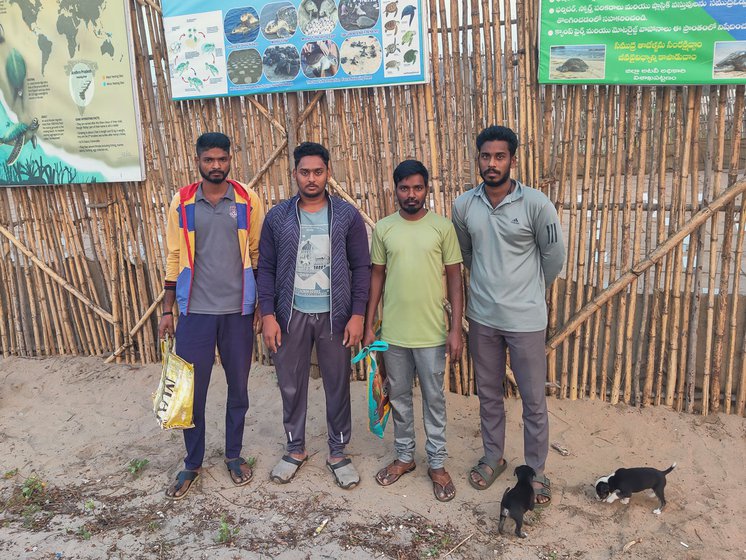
[217, 284]
[513, 251]
[312, 270]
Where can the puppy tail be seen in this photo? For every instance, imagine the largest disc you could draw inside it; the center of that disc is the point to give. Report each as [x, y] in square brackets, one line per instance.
[669, 469]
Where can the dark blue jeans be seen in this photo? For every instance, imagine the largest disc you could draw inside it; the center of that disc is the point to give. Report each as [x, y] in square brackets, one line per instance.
[196, 338]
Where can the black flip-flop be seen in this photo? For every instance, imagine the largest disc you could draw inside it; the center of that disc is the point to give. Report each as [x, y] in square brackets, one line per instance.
[234, 468]
[181, 478]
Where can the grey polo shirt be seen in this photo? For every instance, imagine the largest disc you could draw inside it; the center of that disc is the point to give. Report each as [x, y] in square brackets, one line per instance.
[513, 251]
[217, 285]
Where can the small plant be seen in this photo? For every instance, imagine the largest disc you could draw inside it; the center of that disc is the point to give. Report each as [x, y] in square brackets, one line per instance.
[89, 505]
[29, 515]
[84, 533]
[32, 487]
[226, 532]
[10, 474]
[136, 466]
[251, 461]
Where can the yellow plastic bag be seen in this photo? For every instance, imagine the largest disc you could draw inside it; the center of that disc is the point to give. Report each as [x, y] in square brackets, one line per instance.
[173, 400]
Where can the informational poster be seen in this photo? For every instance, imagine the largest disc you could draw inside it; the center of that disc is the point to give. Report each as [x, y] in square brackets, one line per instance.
[68, 113]
[235, 47]
[638, 42]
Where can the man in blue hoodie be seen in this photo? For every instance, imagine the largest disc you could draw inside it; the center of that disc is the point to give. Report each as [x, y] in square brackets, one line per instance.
[314, 278]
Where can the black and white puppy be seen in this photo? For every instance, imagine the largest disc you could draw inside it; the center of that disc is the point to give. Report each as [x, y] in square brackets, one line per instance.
[518, 500]
[624, 482]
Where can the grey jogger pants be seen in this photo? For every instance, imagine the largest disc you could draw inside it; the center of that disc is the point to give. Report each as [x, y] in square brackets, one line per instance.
[293, 362]
[529, 364]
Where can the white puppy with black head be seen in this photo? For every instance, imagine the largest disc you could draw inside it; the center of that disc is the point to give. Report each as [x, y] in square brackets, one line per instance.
[625, 482]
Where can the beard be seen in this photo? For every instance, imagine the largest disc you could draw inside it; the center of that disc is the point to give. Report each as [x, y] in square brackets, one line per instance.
[498, 183]
[411, 208]
[214, 177]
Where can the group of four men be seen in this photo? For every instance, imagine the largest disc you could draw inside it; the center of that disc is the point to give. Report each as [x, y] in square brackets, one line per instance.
[304, 276]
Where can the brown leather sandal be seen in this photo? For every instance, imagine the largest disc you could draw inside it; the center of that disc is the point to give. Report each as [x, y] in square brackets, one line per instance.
[393, 472]
[443, 487]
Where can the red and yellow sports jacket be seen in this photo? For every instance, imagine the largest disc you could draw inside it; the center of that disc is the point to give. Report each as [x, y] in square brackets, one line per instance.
[180, 242]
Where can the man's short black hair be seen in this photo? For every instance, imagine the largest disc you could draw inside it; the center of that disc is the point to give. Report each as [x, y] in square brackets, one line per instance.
[496, 132]
[410, 167]
[210, 140]
[310, 149]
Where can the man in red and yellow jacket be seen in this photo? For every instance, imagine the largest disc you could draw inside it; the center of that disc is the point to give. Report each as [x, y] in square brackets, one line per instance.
[213, 250]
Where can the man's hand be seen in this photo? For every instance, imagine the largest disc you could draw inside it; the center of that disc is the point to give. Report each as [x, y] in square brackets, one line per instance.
[271, 332]
[257, 321]
[353, 331]
[454, 344]
[370, 336]
[166, 326]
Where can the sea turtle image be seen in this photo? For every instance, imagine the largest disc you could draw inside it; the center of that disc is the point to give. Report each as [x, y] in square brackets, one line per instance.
[408, 11]
[284, 24]
[249, 19]
[196, 83]
[17, 135]
[392, 48]
[407, 38]
[15, 70]
[212, 69]
[391, 26]
[392, 65]
[391, 8]
[573, 65]
[735, 61]
[364, 22]
[410, 56]
[322, 65]
[181, 68]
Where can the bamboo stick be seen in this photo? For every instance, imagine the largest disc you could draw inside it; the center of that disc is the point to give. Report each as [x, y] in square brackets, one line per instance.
[642, 265]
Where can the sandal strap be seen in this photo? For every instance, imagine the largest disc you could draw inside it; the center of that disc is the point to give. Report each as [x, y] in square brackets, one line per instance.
[186, 476]
[441, 479]
[343, 463]
[543, 480]
[293, 460]
[398, 469]
[234, 465]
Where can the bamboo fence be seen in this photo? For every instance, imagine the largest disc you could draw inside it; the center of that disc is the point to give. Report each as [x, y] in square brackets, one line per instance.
[648, 182]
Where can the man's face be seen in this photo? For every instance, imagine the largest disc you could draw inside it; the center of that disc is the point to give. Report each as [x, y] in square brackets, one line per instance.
[214, 165]
[311, 175]
[411, 192]
[495, 161]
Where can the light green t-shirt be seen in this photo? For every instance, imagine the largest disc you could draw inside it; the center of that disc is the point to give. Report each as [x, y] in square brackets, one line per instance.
[414, 254]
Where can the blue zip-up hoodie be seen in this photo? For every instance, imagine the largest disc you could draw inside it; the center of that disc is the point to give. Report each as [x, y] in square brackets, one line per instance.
[350, 262]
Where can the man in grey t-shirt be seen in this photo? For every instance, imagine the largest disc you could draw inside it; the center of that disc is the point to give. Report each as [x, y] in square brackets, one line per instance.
[511, 240]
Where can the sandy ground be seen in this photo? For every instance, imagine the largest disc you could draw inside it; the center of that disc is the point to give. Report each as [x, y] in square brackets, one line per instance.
[76, 424]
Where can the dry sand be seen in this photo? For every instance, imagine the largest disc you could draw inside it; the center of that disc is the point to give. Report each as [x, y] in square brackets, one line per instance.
[77, 424]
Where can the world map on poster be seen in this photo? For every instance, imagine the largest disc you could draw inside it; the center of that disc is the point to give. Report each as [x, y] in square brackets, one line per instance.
[68, 113]
[246, 48]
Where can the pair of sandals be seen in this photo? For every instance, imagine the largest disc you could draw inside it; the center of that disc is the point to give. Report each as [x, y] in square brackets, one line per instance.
[443, 488]
[344, 472]
[234, 468]
[496, 469]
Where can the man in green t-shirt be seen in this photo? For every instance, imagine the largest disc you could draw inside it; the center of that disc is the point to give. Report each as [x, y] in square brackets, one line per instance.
[409, 250]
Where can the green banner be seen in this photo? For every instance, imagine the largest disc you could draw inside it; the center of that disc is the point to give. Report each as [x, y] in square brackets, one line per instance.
[637, 42]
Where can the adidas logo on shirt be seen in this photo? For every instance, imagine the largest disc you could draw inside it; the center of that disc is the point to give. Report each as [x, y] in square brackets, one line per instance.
[514, 221]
